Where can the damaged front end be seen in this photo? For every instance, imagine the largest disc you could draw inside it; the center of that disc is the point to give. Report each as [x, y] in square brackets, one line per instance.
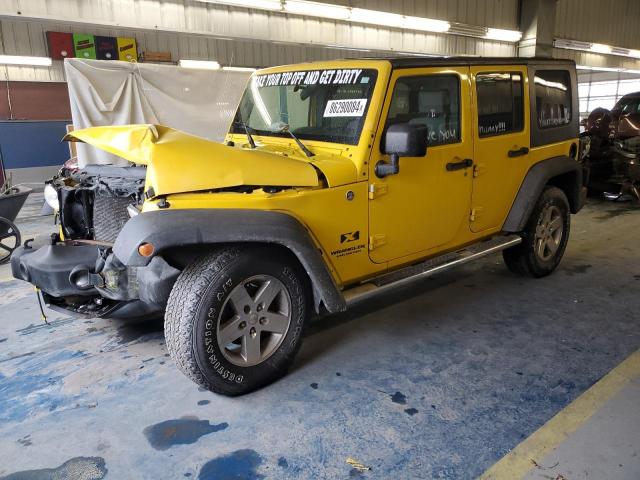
[76, 269]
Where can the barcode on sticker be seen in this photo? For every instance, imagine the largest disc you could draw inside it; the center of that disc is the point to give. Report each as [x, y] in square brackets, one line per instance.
[353, 107]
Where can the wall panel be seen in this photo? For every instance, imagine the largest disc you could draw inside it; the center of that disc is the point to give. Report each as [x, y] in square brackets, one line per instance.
[614, 22]
[34, 101]
[355, 42]
[197, 30]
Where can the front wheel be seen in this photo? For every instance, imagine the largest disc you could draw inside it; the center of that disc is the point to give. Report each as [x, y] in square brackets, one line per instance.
[544, 238]
[235, 318]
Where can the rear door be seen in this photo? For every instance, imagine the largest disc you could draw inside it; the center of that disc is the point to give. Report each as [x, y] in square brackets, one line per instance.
[501, 142]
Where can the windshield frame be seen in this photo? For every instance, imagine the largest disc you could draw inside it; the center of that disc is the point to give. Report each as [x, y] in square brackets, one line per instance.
[374, 72]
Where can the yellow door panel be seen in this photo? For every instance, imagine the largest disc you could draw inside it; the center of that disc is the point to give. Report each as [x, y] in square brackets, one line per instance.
[501, 142]
[425, 205]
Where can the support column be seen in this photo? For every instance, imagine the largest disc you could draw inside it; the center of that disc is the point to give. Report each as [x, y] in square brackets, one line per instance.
[537, 23]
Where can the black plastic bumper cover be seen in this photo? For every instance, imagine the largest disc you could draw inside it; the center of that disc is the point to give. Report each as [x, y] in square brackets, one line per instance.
[135, 290]
[48, 267]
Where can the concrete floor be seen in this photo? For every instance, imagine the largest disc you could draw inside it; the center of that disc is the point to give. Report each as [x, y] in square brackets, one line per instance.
[606, 446]
[439, 380]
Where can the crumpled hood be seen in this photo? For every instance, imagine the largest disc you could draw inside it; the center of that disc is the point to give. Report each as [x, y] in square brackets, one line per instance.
[178, 162]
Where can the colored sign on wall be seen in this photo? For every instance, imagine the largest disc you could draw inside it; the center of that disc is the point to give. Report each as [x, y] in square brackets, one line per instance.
[106, 48]
[85, 45]
[127, 50]
[60, 45]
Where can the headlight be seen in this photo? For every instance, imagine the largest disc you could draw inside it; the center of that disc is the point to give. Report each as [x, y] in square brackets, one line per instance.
[51, 196]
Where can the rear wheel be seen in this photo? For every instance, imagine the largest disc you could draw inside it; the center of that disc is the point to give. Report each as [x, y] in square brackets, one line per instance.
[235, 318]
[544, 238]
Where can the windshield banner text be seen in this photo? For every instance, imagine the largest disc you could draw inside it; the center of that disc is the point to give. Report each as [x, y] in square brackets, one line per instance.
[311, 77]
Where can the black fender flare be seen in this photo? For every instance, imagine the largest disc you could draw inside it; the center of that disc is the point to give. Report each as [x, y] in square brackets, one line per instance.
[173, 228]
[538, 176]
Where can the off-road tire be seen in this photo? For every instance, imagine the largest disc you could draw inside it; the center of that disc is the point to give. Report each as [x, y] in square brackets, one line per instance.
[523, 258]
[201, 291]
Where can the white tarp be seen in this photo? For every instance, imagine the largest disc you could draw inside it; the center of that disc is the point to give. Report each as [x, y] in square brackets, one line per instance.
[105, 92]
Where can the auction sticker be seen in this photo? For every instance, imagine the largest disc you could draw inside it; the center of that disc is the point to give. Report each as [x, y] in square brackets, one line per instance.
[353, 107]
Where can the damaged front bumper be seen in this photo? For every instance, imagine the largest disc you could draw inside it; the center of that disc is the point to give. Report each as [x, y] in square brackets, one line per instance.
[87, 279]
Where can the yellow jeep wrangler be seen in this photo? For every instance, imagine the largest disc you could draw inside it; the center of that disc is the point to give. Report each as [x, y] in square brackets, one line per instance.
[337, 180]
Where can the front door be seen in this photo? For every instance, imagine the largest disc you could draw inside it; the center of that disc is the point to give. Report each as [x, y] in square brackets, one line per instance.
[427, 203]
[501, 142]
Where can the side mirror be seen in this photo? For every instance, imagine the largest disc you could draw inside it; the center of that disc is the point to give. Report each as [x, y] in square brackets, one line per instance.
[402, 140]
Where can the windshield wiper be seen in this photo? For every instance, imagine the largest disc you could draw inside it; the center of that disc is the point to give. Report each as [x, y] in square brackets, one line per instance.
[249, 137]
[285, 129]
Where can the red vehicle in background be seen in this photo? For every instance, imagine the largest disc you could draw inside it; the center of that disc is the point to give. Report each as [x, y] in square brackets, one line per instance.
[614, 148]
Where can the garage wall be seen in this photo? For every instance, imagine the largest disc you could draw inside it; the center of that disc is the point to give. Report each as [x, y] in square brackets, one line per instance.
[241, 37]
[34, 101]
[609, 22]
[28, 111]
[490, 13]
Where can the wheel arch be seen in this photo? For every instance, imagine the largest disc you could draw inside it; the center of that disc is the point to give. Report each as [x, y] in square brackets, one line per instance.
[562, 172]
[182, 235]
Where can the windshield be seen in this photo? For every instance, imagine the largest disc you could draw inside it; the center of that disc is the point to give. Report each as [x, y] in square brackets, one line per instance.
[325, 105]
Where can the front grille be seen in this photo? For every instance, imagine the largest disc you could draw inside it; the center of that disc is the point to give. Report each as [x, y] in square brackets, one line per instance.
[109, 215]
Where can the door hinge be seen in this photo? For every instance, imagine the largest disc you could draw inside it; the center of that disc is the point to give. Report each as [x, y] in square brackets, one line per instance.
[377, 240]
[479, 169]
[476, 212]
[377, 190]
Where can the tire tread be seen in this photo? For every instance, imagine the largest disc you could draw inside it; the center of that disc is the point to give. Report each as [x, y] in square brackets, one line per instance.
[520, 259]
[182, 306]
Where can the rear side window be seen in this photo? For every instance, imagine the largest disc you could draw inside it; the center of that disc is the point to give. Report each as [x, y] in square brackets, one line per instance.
[500, 103]
[553, 97]
[432, 100]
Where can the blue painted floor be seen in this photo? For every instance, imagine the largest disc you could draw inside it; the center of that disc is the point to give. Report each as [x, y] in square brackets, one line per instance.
[436, 381]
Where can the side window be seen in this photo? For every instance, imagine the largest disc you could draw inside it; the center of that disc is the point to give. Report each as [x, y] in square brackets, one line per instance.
[432, 100]
[633, 106]
[500, 103]
[553, 98]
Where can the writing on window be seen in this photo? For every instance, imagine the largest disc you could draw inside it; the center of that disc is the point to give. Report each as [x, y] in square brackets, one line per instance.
[432, 100]
[500, 103]
[553, 97]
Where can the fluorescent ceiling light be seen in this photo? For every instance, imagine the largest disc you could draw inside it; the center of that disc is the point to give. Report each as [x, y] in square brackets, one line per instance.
[426, 24]
[600, 48]
[503, 35]
[239, 69]
[201, 64]
[21, 60]
[259, 4]
[315, 9]
[375, 17]
[595, 48]
[372, 17]
[600, 69]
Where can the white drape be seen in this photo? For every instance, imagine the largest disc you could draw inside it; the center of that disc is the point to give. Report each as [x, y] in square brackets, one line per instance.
[104, 92]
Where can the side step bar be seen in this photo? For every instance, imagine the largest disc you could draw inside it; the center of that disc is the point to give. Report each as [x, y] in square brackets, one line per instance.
[429, 267]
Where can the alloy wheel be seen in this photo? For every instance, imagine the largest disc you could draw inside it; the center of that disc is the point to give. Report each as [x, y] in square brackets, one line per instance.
[549, 233]
[254, 320]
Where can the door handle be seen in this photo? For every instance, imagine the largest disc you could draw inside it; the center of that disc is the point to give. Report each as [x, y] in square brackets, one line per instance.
[518, 153]
[453, 166]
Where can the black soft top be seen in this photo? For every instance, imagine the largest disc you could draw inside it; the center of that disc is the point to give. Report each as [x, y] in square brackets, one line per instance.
[422, 61]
